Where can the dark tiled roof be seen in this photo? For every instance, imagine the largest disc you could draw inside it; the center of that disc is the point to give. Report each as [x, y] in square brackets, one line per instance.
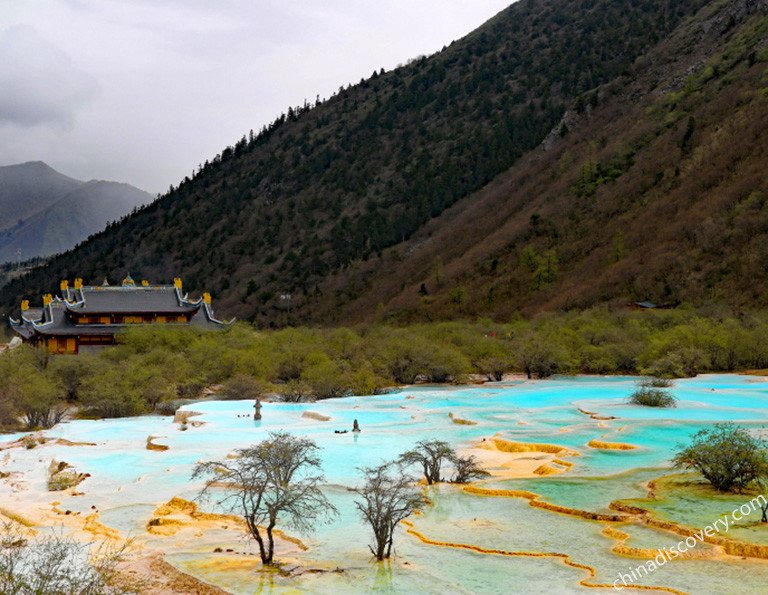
[56, 319]
[204, 318]
[33, 314]
[124, 300]
[62, 326]
[21, 329]
[56, 322]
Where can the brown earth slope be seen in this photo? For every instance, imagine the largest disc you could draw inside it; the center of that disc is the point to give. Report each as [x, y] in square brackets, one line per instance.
[564, 154]
[658, 193]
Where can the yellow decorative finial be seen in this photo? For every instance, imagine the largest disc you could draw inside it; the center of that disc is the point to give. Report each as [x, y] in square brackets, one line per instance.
[144, 283]
[47, 299]
[207, 298]
[24, 305]
[78, 283]
[64, 285]
[177, 282]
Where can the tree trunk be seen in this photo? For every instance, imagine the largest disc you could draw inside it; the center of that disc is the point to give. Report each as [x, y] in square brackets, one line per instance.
[270, 543]
[381, 540]
[389, 544]
[434, 473]
[427, 474]
[260, 541]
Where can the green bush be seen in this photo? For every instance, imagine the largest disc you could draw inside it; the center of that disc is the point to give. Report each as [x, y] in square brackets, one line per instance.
[540, 358]
[190, 390]
[682, 363]
[652, 397]
[112, 392]
[170, 407]
[327, 380]
[295, 391]
[151, 367]
[728, 456]
[242, 387]
[70, 373]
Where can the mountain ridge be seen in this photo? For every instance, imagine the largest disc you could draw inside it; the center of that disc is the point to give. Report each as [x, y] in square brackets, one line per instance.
[39, 184]
[287, 212]
[52, 212]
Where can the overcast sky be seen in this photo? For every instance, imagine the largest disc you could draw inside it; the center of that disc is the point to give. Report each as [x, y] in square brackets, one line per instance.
[141, 91]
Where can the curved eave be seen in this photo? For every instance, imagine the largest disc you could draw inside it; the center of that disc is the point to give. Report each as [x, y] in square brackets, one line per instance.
[210, 317]
[20, 328]
[39, 324]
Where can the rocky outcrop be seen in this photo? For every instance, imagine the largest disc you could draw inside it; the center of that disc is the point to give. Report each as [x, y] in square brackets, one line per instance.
[510, 446]
[461, 422]
[177, 514]
[158, 447]
[315, 416]
[601, 445]
[62, 476]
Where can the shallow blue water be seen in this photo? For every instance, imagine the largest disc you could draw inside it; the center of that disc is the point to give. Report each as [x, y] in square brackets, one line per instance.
[129, 481]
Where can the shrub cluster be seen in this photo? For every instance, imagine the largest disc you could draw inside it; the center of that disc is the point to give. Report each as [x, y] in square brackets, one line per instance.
[153, 368]
[652, 397]
[728, 456]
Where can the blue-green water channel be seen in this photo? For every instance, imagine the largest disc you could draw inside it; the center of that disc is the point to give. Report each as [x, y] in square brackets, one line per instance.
[128, 481]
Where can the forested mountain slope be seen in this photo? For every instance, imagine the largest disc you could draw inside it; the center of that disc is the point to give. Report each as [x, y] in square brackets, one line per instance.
[428, 192]
[659, 191]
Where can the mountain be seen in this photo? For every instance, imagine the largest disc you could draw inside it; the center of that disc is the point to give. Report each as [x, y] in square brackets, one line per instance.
[28, 188]
[43, 212]
[654, 189]
[562, 155]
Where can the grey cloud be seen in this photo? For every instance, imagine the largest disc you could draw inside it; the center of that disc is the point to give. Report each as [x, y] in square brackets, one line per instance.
[178, 80]
[39, 83]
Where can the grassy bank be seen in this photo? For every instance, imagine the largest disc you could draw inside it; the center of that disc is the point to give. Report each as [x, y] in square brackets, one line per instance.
[153, 368]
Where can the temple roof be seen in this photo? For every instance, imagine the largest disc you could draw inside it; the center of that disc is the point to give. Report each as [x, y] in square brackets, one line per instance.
[56, 318]
[130, 299]
[55, 322]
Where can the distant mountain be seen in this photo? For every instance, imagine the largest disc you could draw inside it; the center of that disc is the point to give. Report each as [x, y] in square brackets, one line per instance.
[43, 212]
[29, 188]
[566, 153]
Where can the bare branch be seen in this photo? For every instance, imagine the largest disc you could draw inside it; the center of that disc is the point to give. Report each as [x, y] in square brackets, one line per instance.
[277, 480]
[388, 496]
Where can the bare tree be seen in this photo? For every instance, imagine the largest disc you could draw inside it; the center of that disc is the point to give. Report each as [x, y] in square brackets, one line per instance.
[278, 479]
[58, 564]
[468, 468]
[388, 497]
[430, 456]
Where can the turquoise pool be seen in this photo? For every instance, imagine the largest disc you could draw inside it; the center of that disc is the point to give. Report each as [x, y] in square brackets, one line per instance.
[128, 481]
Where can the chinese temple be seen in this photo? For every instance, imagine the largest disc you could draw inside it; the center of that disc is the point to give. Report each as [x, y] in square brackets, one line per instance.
[86, 316]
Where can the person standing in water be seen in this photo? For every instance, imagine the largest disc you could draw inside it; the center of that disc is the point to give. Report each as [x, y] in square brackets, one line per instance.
[355, 426]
